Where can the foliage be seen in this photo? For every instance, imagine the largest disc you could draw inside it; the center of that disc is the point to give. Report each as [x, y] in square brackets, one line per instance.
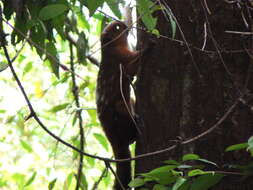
[40, 36]
[191, 172]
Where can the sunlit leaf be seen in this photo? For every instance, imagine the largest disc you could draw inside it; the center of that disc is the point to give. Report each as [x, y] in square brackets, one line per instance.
[114, 6]
[102, 140]
[59, 107]
[237, 147]
[2, 111]
[52, 184]
[38, 89]
[26, 146]
[144, 9]
[19, 179]
[28, 67]
[250, 143]
[51, 11]
[93, 5]
[31, 179]
[190, 157]
[68, 181]
[84, 183]
[196, 172]
[180, 181]
[163, 175]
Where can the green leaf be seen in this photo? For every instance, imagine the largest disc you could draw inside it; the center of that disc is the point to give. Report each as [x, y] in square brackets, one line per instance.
[2, 111]
[19, 32]
[180, 181]
[156, 32]
[51, 54]
[144, 8]
[206, 181]
[82, 20]
[114, 6]
[82, 45]
[185, 186]
[250, 143]
[3, 66]
[59, 107]
[137, 182]
[93, 115]
[93, 5]
[38, 35]
[28, 67]
[190, 157]
[236, 147]
[160, 187]
[68, 181]
[52, 184]
[84, 183]
[51, 11]
[184, 166]
[196, 172]
[163, 175]
[58, 23]
[19, 179]
[31, 179]
[102, 140]
[171, 162]
[26, 146]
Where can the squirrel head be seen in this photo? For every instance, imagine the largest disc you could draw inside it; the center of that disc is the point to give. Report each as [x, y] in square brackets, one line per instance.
[115, 34]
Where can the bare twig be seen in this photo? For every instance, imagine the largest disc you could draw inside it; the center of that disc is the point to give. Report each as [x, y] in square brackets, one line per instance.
[99, 179]
[107, 160]
[91, 59]
[75, 92]
[108, 165]
[62, 66]
[169, 11]
[213, 39]
[35, 116]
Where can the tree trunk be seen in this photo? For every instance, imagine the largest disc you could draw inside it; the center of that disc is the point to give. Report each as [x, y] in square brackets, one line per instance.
[183, 95]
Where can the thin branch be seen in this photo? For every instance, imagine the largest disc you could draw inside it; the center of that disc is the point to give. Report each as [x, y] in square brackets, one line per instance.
[99, 179]
[108, 165]
[107, 160]
[62, 66]
[89, 57]
[124, 99]
[213, 39]
[33, 113]
[75, 92]
[169, 11]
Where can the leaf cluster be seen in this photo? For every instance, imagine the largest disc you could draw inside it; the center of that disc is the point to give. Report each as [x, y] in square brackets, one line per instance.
[191, 172]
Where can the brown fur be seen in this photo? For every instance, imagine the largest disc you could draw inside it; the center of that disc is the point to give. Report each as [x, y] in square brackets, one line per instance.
[112, 113]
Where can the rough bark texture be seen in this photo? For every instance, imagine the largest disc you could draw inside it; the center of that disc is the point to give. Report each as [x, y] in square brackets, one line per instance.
[174, 100]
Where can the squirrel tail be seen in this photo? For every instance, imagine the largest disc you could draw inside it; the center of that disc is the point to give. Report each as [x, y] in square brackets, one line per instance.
[123, 169]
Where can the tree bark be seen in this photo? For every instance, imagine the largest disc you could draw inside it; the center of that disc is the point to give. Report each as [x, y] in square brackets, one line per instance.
[182, 95]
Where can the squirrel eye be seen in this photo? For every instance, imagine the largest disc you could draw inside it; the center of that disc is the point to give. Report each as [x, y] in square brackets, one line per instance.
[117, 27]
